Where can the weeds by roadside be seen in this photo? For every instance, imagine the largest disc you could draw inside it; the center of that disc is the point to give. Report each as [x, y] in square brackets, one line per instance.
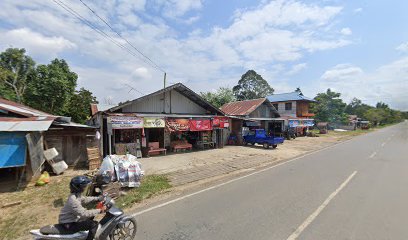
[150, 186]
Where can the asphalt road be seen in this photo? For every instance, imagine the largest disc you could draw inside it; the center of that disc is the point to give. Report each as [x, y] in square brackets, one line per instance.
[354, 190]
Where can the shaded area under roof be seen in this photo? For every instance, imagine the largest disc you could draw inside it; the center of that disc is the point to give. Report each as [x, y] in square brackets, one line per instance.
[293, 96]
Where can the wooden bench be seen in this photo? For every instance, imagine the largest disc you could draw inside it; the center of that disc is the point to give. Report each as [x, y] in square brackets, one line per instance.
[180, 145]
[154, 149]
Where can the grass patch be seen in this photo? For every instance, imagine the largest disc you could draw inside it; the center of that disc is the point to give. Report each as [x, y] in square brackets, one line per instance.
[150, 185]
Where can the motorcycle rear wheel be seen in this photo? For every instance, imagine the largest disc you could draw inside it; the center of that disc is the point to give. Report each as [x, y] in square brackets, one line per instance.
[126, 232]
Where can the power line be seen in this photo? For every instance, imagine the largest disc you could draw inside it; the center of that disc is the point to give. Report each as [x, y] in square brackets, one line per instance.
[96, 29]
[111, 28]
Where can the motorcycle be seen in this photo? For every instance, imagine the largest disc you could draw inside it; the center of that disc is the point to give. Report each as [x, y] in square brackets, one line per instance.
[114, 225]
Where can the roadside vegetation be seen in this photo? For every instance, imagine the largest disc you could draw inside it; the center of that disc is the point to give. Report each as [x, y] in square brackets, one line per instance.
[39, 206]
[150, 186]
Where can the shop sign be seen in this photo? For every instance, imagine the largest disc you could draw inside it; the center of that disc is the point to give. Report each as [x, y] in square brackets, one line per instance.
[220, 122]
[308, 123]
[177, 124]
[200, 125]
[154, 123]
[294, 123]
[124, 122]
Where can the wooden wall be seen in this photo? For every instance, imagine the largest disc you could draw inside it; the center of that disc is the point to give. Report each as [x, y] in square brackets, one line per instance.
[71, 145]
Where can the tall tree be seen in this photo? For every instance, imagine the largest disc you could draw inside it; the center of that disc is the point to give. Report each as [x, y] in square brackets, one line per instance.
[51, 87]
[329, 107]
[222, 96]
[251, 86]
[15, 67]
[357, 107]
[78, 106]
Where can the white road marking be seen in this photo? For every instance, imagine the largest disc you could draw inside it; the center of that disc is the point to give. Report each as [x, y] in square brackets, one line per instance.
[313, 216]
[232, 180]
[373, 155]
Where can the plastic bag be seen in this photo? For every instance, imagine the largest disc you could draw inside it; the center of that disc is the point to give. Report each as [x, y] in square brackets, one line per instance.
[107, 166]
[129, 171]
[43, 179]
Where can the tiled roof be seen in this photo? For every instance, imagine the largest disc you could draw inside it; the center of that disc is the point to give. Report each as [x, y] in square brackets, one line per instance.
[293, 96]
[242, 108]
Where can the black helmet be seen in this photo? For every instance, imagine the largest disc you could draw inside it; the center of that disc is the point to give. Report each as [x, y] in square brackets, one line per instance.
[78, 184]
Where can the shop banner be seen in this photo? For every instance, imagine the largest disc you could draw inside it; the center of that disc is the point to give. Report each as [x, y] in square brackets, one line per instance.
[177, 125]
[220, 122]
[294, 123]
[123, 122]
[200, 125]
[154, 123]
[308, 123]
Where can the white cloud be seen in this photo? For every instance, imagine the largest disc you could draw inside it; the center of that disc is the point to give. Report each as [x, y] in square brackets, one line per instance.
[37, 43]
[296, 69]
[387, 83]
[403, 47]
[266, 38]
[358, 10]
[346, 31]
[342, 72]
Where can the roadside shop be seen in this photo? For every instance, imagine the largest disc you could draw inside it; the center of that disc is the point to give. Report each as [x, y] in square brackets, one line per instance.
[172, 119]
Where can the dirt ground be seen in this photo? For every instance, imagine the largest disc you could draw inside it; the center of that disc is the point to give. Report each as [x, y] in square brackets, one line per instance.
[40, 205]
[290, 149]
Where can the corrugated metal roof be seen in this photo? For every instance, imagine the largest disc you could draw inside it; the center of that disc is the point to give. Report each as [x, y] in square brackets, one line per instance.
[293, 96]
[21, 109]
[182, 89]
[242, 108]
[24, 126]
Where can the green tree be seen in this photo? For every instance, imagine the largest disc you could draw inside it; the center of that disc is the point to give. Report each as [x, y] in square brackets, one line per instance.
[357, 107]
[375, 115]
[78, 106]
[222, 96]
[329, 107]
[251, 86]
[51, 87]
[15, 67]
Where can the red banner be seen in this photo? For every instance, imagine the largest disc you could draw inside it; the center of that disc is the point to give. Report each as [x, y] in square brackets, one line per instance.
[177, 125]
[200, 125]
[221, 122]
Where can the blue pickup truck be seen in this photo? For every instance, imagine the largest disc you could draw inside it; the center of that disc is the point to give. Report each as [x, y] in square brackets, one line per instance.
[259, 136]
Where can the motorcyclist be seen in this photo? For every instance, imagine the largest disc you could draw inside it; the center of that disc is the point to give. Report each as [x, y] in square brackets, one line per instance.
[74, 216]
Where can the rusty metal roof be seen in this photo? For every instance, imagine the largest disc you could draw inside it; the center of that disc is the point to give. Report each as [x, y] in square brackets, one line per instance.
[21, 109]
[242, 108]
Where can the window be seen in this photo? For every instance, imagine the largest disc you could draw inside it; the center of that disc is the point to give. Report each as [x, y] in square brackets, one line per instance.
[276, 106]
[288, 106]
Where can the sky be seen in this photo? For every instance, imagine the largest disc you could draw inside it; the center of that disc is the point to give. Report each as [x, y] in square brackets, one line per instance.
[357, 48]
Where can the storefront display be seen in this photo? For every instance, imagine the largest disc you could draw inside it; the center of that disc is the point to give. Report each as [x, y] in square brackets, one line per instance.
[177, 124]
[127, 134]
[200, 125]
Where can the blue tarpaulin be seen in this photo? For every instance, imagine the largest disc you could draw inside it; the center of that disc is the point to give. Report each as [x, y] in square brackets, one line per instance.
[12, 149]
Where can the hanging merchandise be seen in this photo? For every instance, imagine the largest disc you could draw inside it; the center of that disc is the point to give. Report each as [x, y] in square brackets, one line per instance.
[200, 125]
[177, 124]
